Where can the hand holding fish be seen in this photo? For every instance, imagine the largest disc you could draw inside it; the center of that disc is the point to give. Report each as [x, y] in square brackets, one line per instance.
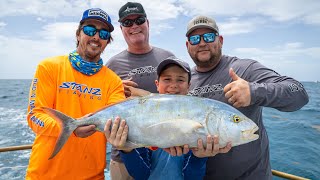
[177, 150]
[118, 134]
[238, 91]
[127, 84]
[85, 131]
[211, 149]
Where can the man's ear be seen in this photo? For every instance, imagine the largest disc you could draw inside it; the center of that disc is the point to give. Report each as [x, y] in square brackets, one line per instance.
[221, 40]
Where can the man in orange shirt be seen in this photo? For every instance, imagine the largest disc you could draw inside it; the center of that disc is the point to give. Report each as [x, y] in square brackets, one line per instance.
[75, 84]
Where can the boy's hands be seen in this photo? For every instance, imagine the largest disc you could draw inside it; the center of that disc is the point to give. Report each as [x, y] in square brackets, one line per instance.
[177, 150]
[211, 149]
[117, 134]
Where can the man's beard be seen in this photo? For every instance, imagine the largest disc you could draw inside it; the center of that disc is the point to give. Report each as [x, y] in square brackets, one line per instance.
[212, 62]
[91, 56]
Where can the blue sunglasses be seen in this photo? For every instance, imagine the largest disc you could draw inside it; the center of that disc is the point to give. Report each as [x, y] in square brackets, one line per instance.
[207, 37]
[90, 30]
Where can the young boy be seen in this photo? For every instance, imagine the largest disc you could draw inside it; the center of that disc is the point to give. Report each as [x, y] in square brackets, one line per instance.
[176, 162]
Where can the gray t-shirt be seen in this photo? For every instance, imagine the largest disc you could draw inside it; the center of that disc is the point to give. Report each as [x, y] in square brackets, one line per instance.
[142, 68]
[267, 88]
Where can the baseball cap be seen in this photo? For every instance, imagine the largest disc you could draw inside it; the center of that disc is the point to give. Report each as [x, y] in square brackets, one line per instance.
[131, 8]
[174, 60]
[98, 14]
[201, 22]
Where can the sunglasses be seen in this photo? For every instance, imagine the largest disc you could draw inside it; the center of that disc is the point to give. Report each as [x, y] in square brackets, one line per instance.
[207, 37]
[90, 30]
[129, 22]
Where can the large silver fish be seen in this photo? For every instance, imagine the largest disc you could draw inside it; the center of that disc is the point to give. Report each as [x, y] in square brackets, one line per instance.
[167, 120]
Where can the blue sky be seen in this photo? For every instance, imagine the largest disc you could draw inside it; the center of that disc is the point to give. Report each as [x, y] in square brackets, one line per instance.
[280, 34]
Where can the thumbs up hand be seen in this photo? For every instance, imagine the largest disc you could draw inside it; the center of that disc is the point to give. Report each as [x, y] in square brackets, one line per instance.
[238, 91]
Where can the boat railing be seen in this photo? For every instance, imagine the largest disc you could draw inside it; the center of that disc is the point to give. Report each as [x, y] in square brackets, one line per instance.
[274, 172]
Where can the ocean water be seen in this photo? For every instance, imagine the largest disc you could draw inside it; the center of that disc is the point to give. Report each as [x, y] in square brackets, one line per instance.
[294, 136]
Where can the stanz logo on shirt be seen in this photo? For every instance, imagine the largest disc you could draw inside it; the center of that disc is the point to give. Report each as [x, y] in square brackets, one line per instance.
[81, 90]
[33, 94]
[199, 91]
[295, 87]
[142, 70]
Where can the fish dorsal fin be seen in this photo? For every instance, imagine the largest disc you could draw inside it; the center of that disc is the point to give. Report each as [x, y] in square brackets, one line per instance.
[142, 92]
[136, 92]
[110, 105]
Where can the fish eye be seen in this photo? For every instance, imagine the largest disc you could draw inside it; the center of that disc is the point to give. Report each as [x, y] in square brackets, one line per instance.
[236, 119]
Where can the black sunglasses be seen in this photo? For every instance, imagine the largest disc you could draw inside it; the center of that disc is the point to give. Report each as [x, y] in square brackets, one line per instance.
[129, 22]
[90, 30]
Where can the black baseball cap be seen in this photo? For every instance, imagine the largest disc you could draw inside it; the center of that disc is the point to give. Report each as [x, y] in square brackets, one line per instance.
[174, 60]
[131, 8]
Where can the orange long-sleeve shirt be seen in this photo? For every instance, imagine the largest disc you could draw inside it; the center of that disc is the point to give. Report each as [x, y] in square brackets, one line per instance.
[57, 85]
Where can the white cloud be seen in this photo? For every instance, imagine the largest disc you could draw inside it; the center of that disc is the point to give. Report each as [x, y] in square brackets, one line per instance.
[286, 59]
[2, 24]
[284, 10]
[237, 26]
[51, 9]
[313, 18]
[288, 50]
[61, 30]
[55, 39]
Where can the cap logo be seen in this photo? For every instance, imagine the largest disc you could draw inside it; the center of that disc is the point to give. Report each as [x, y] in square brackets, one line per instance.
[131, 9]
[199, 21]
[99, 13]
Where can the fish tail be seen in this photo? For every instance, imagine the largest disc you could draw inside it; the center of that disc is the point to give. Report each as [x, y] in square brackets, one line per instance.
[67, 124]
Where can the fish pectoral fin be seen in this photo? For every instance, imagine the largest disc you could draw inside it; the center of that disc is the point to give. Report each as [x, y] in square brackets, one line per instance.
[177, 126]
[191, 126]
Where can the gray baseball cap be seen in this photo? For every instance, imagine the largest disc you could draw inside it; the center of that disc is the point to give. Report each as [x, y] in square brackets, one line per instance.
[201, 22]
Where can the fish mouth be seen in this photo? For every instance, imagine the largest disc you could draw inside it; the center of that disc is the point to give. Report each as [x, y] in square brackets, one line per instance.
[251, 134]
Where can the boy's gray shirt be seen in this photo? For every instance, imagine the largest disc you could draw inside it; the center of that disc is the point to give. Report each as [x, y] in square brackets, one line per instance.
[142, 68]
[267, 88]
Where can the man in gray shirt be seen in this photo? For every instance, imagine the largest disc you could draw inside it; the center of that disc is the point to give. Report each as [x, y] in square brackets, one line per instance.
[136, 65]
[247, 85]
